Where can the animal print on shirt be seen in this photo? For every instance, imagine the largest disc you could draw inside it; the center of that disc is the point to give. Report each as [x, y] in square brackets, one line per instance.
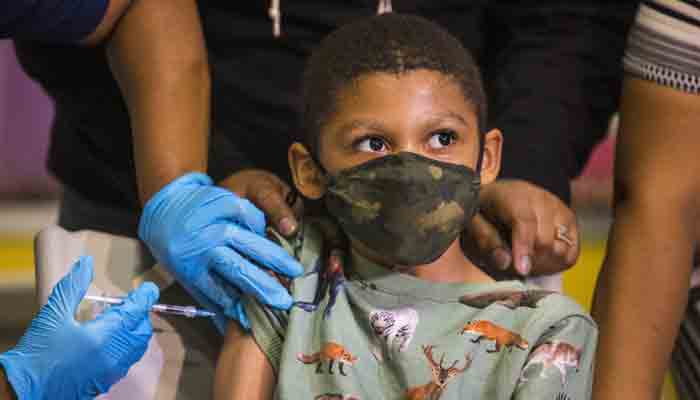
[553, 354]
[395, 327]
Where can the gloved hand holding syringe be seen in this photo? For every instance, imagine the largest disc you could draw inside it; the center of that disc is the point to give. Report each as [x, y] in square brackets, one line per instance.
[185, 311]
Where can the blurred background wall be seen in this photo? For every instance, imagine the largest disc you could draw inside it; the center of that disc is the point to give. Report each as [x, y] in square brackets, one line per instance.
[25, 117]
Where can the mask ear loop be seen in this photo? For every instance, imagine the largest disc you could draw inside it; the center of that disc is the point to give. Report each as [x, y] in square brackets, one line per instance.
[320, 166]
[477, 176]
[480, 157]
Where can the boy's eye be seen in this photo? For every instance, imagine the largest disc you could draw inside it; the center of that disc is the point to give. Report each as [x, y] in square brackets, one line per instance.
[442, 139]
[371, 144]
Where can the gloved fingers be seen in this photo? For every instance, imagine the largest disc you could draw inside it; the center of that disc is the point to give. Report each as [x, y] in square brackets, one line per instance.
[262, 251]
[242, 316]
[191, 180]
[234, 307]
[70, 290]
[223, 205]
[135, 308]
[249, 278]
[119, 352]
[138, 340]
[219, 295]
[250, 217]
[158, 206]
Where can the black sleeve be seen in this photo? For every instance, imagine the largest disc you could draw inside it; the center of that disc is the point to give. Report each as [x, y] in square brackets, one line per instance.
[553, 72]
[225, 158]
[50, 20]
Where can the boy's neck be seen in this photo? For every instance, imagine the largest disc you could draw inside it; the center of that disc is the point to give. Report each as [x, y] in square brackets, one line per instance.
[452, 267]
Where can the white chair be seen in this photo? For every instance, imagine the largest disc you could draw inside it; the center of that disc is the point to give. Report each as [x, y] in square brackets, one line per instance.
[180, 360]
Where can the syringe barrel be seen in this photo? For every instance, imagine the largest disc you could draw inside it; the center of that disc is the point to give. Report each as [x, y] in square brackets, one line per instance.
[187, 311]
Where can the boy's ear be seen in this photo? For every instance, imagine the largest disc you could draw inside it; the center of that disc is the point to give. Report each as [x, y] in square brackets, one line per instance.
[491, 158]
[308, 177]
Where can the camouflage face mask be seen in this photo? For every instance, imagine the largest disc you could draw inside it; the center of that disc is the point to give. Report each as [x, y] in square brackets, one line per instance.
[405, 207]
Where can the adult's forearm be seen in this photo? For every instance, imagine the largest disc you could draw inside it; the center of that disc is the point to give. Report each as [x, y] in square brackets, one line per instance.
[642, 288]
[158, 56]
[6, 391]
[640, 298]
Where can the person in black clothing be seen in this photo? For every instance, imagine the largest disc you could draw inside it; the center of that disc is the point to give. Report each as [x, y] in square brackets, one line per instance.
[551, 69]
[60, 21]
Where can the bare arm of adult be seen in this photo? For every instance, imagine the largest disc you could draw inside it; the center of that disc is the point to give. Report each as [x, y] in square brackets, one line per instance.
[243, 371]
[158, 56]
[643, 286]
[6, 392]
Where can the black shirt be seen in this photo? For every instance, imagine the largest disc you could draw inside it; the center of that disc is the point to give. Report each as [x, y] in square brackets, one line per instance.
[552, 72]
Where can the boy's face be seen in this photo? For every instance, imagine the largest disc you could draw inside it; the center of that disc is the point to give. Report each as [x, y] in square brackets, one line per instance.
[421, 111]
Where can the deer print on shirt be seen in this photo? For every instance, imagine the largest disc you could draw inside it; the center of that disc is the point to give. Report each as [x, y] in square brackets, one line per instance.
[500, 336]
[553, 354]
[332, 353]
[395, 327]
[441, 376]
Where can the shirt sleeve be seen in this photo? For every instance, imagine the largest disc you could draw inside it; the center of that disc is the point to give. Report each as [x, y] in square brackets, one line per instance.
[663, 44]
[268, 327]
[553, 75]
[50, 20]
[560, 364]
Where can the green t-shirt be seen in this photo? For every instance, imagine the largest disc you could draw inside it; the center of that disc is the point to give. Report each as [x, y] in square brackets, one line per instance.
[379, 334]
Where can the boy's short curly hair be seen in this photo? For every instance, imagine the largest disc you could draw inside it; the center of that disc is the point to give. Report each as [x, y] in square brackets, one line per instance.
[388, 43]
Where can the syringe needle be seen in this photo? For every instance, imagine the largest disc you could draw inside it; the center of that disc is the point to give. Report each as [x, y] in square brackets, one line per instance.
[186, 311]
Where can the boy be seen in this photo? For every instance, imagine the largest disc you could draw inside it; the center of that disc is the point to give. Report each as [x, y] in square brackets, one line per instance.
[393, 118]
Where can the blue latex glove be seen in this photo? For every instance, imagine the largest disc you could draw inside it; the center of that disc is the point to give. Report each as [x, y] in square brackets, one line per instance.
[209, 238]
[59, 358]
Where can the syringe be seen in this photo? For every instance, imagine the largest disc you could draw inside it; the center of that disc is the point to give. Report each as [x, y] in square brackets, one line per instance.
[185, 311]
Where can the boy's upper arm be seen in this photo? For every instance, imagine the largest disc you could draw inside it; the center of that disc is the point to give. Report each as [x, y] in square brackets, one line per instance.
[560, 364]
[243, 371]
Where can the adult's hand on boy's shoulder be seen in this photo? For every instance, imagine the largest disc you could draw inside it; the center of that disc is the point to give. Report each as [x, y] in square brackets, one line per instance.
[270, 194]
[526, 228]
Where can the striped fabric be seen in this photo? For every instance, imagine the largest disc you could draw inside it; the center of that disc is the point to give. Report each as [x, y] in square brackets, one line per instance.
[685, 362]
[664, 44]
